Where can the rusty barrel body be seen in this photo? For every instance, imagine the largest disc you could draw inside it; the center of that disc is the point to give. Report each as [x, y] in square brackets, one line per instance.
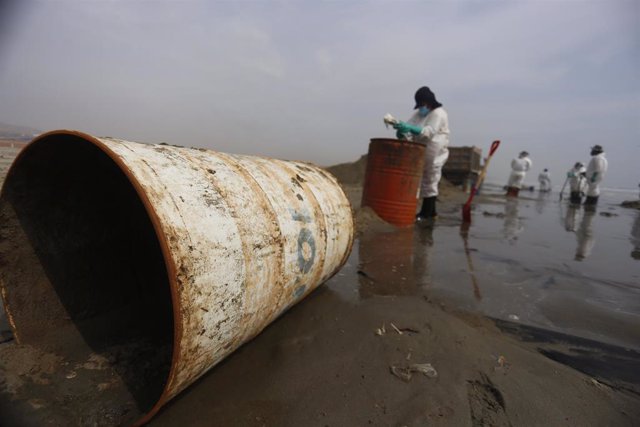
[392, 179]
[239, 240]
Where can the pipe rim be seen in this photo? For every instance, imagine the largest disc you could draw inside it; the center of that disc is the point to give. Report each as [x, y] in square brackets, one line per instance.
[169, 262]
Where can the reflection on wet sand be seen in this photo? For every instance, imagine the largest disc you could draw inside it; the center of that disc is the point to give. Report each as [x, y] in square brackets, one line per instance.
[584, 231]
[512, 224]
[585, 237]
[570, 218]
[464, 233]
[541, 200]
[405, 269]
[635, 237]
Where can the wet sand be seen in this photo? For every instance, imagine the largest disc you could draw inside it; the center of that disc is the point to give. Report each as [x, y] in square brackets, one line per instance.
[528, 317]
[328, 361]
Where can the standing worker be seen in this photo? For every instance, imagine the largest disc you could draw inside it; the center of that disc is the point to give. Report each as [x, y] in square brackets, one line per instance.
[519, 168]
[576, 177]
[595, 172]
[545, 181]
[429, 125]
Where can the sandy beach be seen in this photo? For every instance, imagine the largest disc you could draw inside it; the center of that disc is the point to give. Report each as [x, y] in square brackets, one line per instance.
[528, 317]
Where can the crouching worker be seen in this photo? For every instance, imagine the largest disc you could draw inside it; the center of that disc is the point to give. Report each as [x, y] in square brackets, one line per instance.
[429, 125]
[576, 176]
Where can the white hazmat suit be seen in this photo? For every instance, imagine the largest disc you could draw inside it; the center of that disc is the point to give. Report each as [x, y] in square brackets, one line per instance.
[519, 168]
[435, 136]
[545, 181]
[576, 180]
[595, 172]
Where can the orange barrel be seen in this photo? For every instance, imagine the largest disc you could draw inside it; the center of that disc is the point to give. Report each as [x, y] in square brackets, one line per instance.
[392, 179]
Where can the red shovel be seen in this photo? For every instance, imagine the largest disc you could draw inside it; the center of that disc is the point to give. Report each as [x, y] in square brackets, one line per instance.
[466, 209]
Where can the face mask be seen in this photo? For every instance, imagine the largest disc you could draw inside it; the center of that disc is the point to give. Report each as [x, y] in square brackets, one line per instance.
[423, 111]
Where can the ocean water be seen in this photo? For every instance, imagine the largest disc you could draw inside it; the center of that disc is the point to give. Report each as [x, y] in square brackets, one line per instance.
[538, 261]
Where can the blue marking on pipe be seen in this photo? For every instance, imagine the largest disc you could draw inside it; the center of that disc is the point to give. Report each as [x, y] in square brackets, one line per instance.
[305, 237]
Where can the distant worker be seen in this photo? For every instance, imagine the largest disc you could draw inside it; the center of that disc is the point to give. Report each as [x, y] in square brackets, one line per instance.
[519, 168]
[545, 181]
[577, 183]
[429, 125]
[595, 173]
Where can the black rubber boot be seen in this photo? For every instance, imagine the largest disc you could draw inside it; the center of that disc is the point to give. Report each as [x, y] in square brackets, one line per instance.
[591, 201]
[575, 198]
[423, 209]
[428, 209]
[434, 214]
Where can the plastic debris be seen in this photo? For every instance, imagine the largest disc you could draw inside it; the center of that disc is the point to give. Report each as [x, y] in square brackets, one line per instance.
[396, 329]
[381, 331]
[405, 373]
[494, 214]
[502, 361]
[401, 372]
[597, 384]
[424, 368]
[513, 317]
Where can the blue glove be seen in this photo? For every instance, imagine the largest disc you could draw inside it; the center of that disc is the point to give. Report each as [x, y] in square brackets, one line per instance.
[569, 174]
[399, 134]
[403, 127]
[593, 177]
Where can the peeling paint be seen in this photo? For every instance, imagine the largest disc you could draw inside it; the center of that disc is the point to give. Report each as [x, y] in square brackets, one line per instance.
[244, 238]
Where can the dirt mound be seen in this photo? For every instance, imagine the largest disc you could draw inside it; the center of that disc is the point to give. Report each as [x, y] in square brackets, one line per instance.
[448, 190]
[350, 173]
[367, 220]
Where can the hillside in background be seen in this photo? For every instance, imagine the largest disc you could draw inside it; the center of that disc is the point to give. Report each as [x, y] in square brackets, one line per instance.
[17, 133]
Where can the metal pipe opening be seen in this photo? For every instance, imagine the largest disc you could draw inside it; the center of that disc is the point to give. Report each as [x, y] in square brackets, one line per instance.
[81, 267]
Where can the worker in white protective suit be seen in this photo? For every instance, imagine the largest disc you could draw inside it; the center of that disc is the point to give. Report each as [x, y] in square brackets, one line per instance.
[595, 173]
[577, 183]
[429, 125]
[545, 181]
[519, 168]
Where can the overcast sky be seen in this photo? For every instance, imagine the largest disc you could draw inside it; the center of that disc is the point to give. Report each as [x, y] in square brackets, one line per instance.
[312, 80]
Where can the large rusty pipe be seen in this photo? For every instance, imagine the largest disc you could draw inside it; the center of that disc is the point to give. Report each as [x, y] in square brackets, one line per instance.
[199, 249]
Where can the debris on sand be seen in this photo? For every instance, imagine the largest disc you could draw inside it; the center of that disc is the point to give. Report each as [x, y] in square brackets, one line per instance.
[350, 173]
[364, 274]
[381, 331]
[608, 214]
[425, 368]
[395, 328]
[405, 373]
[633, 204]
[493, 214]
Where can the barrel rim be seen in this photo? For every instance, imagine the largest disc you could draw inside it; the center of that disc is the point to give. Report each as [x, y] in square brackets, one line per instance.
[398, 141]
[169, 262]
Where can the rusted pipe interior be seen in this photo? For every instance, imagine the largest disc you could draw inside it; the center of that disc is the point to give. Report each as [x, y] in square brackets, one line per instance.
[81, 264]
